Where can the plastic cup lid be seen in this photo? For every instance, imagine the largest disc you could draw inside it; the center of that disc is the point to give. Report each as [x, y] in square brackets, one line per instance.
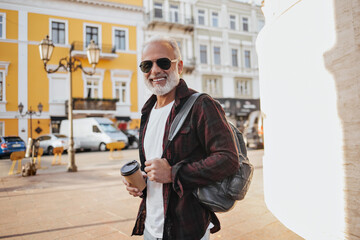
[129, 168]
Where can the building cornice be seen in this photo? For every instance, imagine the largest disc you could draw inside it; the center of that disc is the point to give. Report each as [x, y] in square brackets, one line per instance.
[109, 4]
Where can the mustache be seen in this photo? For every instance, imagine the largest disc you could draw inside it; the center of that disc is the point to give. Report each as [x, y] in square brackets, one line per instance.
[160, 75]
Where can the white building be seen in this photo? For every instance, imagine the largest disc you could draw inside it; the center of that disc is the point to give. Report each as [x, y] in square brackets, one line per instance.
[217, 42]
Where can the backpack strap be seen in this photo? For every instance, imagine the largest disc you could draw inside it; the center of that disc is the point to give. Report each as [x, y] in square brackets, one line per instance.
[180, 119]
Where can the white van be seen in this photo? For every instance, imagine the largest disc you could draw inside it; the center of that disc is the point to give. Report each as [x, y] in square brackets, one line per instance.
[94, 133]
[254, 132]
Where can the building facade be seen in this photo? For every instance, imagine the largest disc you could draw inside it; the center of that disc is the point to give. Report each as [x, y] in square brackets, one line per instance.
[113, 91]
[217, 42]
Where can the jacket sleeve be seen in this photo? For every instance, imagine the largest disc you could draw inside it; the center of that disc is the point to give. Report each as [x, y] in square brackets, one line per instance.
[215, 140]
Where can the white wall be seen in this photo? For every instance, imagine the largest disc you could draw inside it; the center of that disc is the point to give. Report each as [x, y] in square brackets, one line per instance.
[304, 149]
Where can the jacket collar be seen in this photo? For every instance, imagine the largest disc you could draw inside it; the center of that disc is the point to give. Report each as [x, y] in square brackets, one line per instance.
[182, 92]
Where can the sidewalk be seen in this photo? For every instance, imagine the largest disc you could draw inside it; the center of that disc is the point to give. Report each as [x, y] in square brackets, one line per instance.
[93, 204]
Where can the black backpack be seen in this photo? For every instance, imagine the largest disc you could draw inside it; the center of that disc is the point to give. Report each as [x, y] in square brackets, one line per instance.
[220, 196]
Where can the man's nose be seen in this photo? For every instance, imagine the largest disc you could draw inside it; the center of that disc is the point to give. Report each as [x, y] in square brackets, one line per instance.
[155, 68]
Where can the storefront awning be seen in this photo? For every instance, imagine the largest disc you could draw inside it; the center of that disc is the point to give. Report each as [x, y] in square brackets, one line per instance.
[122, 118]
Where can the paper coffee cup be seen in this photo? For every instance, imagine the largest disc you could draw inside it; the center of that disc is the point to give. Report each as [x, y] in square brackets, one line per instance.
[132, 174]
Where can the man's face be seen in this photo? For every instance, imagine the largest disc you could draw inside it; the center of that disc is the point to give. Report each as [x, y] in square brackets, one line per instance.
[160, 81]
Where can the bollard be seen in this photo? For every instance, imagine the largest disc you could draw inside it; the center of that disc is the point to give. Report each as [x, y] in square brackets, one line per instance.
[57, 153]
[113, 147]
[40, 152]
[16, 157]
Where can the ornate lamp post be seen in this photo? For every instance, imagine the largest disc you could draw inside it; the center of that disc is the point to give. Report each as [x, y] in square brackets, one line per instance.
[30, 112]
[70, 64]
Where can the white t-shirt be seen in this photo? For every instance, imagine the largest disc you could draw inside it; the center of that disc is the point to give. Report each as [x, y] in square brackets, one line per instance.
[153, 142]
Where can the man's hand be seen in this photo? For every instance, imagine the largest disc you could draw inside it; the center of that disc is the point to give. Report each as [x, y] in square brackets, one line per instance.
[158, 170]
[132, 190]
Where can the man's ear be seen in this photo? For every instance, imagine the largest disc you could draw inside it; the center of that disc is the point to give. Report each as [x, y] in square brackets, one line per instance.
[180, 66]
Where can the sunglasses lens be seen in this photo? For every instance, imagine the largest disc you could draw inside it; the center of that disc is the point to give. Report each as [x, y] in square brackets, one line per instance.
[146, 66]
[164, 63]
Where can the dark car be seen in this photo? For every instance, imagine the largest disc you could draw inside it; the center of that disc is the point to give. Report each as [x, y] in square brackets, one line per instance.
[133, 136]
[11, 144]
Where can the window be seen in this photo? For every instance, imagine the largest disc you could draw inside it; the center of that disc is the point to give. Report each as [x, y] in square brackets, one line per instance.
[96, 129]
[3, 73]
[120, 91]
[203, 54]
[2, 25]
[201, 17]
[243, 87]
[247, 59]
[232, 22]
[158, 10]
[58, 31]
[215, 19]
[174, 13]
[217, 58]
[234, 57]
[121, 85]
[2, 86]
[2, 129]
[120, 39]
[245, 22]
[58, 88]
[212, 86]
[92, 88]
[92, 33]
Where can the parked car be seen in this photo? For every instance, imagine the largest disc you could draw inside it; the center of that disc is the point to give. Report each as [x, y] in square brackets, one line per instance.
[133, 136]
[11, 144]
[254, 132]
[95, 132]
[50, 141]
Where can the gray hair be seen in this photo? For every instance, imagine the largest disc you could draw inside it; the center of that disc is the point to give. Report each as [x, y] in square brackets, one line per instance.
[171, 41]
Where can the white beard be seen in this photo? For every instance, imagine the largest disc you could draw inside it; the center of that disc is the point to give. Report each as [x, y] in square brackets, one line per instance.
[171, 82]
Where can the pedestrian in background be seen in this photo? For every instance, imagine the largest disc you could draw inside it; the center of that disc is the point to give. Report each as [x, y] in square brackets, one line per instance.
[203, 151]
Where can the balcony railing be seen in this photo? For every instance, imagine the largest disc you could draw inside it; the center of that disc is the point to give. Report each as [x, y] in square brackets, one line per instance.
[189, 65]
[91, 104]
[107, 51]
[157, 16]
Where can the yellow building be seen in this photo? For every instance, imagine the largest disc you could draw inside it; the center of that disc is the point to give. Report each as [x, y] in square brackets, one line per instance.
[115, 25]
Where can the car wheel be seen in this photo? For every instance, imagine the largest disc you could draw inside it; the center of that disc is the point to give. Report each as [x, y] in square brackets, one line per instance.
[50, 150]
[102, 147]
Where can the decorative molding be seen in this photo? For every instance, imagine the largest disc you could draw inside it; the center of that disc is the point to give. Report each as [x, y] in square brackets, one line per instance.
[78, 10]
[4, 66]
[109, 4]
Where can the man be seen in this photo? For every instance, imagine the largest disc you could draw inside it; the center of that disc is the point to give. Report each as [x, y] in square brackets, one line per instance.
[203, 151]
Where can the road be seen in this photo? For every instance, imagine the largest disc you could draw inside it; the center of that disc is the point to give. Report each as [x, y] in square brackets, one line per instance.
[93, 203]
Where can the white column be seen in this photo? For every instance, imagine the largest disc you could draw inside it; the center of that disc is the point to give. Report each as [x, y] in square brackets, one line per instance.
[141, 89]
[182, 13]
[23, 72]
[166, 10]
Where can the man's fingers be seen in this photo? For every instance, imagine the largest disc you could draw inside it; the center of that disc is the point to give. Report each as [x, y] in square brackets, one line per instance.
[148, 162]
[134, 191]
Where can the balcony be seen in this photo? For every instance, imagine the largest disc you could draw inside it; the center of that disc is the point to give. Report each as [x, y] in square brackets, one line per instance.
[189, 65]
[107, 51]
[157, 17]
[92, 105]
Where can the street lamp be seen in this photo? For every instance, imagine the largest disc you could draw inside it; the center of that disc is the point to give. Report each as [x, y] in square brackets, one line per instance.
[70, 64]
[30, 112]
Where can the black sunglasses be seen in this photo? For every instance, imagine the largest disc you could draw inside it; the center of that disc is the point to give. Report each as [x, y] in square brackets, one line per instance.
[163, 63]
